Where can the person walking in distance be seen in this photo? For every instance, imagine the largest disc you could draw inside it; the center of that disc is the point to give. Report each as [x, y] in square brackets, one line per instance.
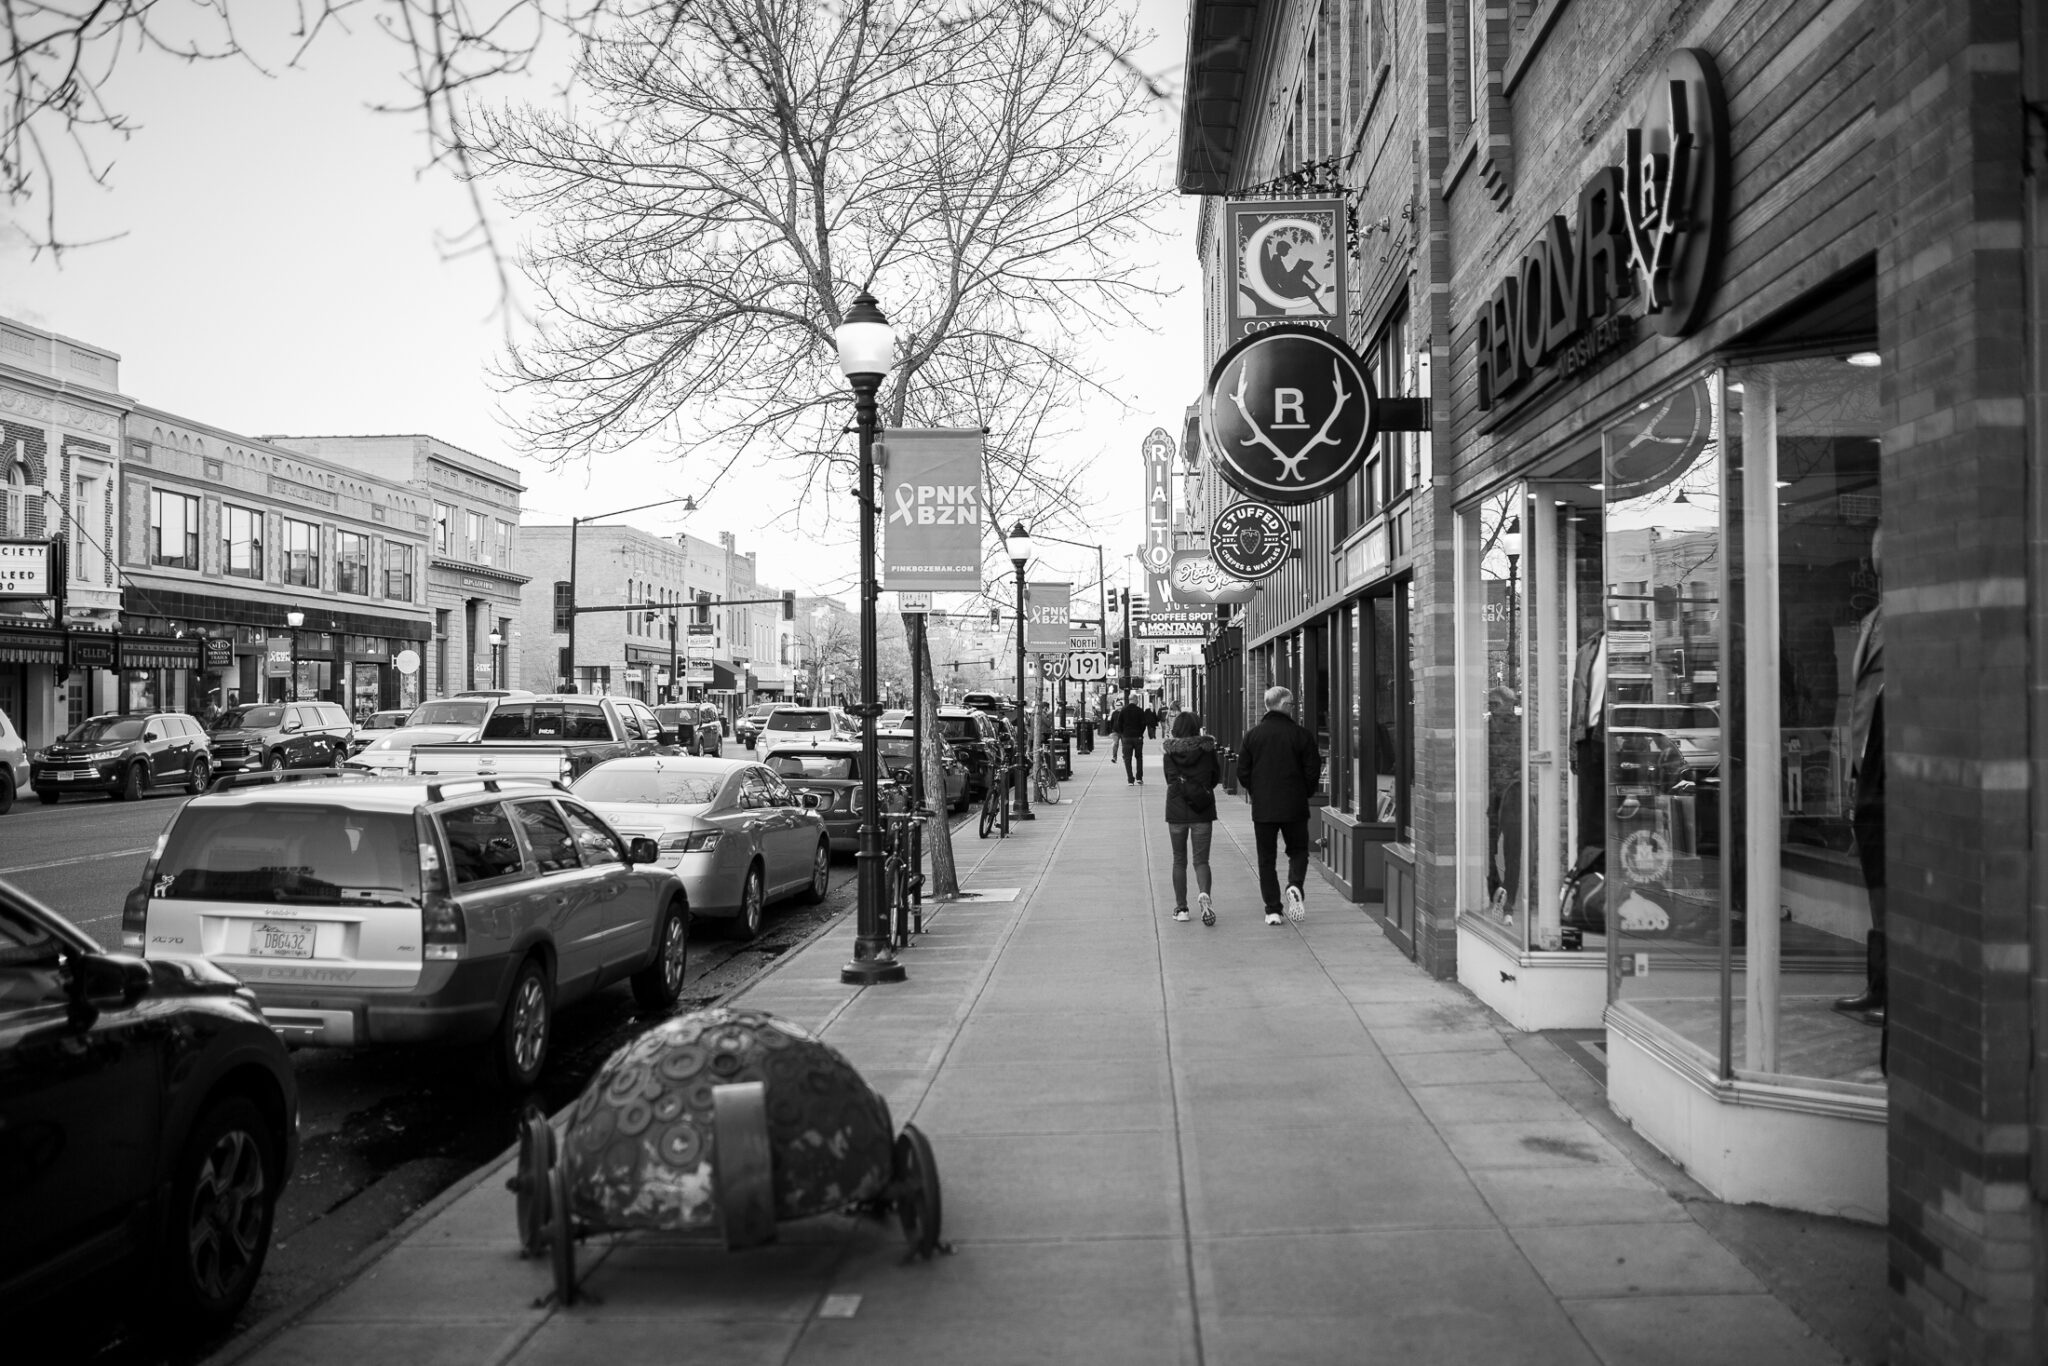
[1188, 759]
[1279, 766]
[1131, 722]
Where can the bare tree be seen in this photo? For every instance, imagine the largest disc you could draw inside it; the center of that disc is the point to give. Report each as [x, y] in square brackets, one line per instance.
[742, 168]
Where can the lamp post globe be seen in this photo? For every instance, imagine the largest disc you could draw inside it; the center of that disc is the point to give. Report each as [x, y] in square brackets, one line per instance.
[867, 351]
[295, 619]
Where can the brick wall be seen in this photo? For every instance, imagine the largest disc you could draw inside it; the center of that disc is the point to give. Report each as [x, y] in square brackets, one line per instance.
[1966, 1246]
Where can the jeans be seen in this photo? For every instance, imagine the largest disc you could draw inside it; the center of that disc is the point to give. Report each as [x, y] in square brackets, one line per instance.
[1181, 835]
[1269, 834]
[1134, 757]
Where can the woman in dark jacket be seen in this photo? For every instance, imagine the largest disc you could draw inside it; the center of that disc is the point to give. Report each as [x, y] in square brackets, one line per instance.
[1192, 772]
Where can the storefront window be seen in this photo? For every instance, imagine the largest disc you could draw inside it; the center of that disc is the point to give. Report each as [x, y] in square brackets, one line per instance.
[1490, 775]
[1356, 797]
[1665, 566]
[1804, 715]
[1386, 709]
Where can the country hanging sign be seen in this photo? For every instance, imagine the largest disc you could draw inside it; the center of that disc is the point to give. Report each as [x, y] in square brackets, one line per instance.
[1250, 540]
[1289, 260]
[1289, 413]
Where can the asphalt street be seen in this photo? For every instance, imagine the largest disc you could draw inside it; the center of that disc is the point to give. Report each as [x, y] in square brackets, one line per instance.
[382, 1131]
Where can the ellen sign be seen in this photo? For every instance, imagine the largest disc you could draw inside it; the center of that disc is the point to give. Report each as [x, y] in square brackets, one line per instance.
[24, 570]
[932, 510]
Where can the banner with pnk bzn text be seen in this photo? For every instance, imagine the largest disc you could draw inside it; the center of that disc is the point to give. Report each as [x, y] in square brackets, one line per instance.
[1047, 610]
[932, 510]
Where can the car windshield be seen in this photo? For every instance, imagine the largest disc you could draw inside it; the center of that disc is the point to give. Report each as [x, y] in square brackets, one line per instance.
[894, 747]
[958, 728]
[383, 720]
[299, 854]
[799, 720]
[101, 729]
[801, 764]
[553, 721]
[250, 718]
[647, 786]
[449, 713]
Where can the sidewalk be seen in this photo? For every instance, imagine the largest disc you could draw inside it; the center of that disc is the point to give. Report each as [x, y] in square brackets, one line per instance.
[1157, 1142]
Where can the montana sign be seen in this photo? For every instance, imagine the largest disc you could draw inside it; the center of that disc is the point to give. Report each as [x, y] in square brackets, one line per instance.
[1648, 230]
[1289, 412]
[1250, 540]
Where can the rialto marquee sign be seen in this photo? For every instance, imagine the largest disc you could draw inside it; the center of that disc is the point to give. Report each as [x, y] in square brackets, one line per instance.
[1646, 243]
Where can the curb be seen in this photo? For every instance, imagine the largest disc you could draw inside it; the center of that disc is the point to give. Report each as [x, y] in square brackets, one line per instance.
[260, 1333]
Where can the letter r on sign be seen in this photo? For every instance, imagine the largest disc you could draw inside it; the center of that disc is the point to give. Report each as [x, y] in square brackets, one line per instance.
[1287, 401]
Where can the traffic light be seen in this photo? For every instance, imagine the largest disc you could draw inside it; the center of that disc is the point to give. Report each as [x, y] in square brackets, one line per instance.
[703, 608]
[789, 604]
[995, 616]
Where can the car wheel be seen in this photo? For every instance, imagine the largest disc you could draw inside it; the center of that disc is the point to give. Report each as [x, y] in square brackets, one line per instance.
[133, 783]
[275, 761]
[202, 775]
[520, 1047]
[659, 985]
[222, 1203]
[747, 924]
[6, 794]
[821, 874]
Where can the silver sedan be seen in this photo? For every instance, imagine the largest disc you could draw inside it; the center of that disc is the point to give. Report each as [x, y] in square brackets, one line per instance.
[732, 831]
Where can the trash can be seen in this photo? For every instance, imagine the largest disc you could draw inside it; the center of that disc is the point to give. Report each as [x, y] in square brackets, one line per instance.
[1085, 735]
[1229, 759]
[1063, 752]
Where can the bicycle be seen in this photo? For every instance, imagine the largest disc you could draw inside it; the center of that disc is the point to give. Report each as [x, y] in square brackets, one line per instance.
[995, 803]
[903, 876]
[1045, 776]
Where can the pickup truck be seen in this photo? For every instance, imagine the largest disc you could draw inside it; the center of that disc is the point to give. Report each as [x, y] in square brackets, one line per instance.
[555, 736]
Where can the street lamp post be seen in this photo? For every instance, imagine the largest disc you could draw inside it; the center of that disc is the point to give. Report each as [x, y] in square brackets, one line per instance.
[496, 640]
[1020, 554]
[867, 349]
[1511, 545]
[575, 524]
[295, 619]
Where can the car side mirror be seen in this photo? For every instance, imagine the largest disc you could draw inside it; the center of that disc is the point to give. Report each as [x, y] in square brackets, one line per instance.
[670, 737]
[643, 850]
[149, 735]
[105, 981]
[808, 800]
[291, 726]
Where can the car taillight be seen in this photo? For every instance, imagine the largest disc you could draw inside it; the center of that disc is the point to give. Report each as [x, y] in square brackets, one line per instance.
[441, 929]
[695, 842]
[135, 915]
[854, 801]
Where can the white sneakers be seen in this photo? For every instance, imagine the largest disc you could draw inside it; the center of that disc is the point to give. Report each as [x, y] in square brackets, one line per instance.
[1181, 913]
[1296, 908]
[1273, 918]
[1208, 911]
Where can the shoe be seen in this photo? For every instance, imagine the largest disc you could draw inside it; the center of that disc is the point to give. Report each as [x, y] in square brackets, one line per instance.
[1208, 911]
[1295, 906]
[1275, 918]
[1180, 913]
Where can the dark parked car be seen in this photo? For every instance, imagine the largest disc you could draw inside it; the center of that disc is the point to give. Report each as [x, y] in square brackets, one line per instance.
[148, 1121]
[280, 735]
[695, 727]
[977, 742]
[831, 769]
[124, 755]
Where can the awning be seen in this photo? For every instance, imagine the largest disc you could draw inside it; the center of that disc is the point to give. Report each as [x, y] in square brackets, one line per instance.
[157, 652]
[724, 676]
[31, 647]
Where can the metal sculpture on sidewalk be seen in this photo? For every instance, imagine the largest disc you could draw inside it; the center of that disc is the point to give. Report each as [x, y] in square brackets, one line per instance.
[722, 1118]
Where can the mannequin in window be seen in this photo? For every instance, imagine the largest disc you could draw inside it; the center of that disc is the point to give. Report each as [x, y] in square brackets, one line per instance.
[1589, 740]
[1866, 777]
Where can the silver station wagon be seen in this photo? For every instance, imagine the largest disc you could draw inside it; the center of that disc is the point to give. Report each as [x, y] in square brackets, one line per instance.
[407, 912]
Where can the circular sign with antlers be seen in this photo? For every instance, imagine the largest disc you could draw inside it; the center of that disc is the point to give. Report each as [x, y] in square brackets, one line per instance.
[1289, 412]
[1250, 540]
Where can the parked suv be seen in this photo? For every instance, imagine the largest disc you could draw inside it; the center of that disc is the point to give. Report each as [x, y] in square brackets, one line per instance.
[695, 727]
[124, 755]
[802, 726]
[409, 911]
[976, 741]
[280, 735]
[751, 720]
[148, 1121]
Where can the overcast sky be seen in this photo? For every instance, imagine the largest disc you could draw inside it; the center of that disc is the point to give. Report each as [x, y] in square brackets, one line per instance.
[282, 271]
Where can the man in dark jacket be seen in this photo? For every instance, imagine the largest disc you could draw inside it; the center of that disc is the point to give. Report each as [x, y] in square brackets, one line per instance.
[1279, 767]
[1131, 722]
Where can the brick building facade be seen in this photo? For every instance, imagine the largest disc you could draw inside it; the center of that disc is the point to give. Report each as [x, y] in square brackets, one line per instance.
[1671, 679]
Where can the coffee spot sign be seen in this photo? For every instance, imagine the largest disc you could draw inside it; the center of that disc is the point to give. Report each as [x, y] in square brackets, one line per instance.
[1250, 540]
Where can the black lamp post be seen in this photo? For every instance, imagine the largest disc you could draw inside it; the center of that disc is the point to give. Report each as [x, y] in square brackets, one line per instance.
[497, 643]
[1020, 555]
[867, 349]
